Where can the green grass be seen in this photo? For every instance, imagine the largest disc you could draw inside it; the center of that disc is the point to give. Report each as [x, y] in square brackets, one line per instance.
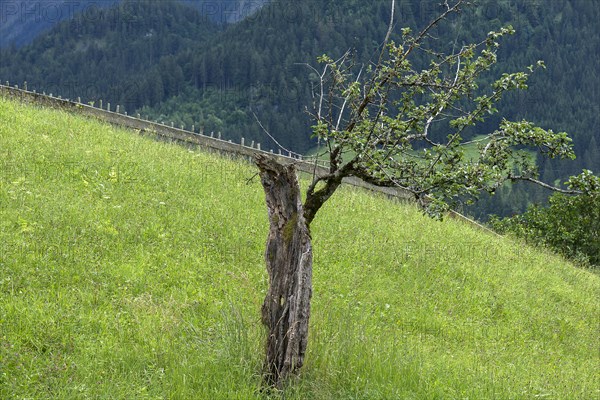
[132, 269]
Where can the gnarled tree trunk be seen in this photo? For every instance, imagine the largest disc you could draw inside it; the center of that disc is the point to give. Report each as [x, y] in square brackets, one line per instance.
[288, 256]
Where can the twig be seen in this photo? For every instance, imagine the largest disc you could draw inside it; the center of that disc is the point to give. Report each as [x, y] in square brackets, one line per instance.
[272, 138]
[249, 180]
[542, 184]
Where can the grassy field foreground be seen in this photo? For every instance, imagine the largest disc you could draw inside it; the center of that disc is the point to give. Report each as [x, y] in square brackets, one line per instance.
[132, 269]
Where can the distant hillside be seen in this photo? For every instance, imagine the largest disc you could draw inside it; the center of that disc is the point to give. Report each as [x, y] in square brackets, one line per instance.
[217, 78]
[24, 20]
[119, 56]
[226, 11]
[132, 269]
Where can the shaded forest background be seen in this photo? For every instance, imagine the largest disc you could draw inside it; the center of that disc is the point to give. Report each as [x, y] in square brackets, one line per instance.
[168, 61]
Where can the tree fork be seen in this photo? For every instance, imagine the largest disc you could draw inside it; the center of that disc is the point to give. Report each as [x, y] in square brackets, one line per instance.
[288, 257]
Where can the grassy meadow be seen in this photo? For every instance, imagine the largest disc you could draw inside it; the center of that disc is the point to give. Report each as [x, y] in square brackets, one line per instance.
[133, 269]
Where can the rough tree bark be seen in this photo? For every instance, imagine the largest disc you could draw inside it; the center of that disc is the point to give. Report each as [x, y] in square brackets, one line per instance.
[288, 256]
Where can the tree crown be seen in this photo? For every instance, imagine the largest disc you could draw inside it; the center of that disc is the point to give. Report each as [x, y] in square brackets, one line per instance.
[396, 123]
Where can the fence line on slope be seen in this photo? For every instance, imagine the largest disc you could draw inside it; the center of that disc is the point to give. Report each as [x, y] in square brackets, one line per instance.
[190, 137]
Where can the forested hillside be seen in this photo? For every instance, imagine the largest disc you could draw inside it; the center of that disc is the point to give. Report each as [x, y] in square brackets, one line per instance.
[24, 20]
[168, 62]
[125, 56]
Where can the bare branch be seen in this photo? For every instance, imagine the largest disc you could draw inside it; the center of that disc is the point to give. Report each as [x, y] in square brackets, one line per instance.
[321, 85]
[337, 125]
[424, 32]
[272, 138]
[391, 25]
[542, 184]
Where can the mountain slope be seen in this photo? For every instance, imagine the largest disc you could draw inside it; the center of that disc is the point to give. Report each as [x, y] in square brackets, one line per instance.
[226, 11]
[119, 56]
[23, 21]
[134, 269]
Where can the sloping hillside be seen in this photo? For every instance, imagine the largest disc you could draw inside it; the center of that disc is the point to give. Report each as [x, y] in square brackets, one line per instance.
[24, 20]
[122, 50]
[133, 269]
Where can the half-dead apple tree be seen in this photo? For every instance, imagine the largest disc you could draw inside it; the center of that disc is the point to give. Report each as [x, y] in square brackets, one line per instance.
[392, 123]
